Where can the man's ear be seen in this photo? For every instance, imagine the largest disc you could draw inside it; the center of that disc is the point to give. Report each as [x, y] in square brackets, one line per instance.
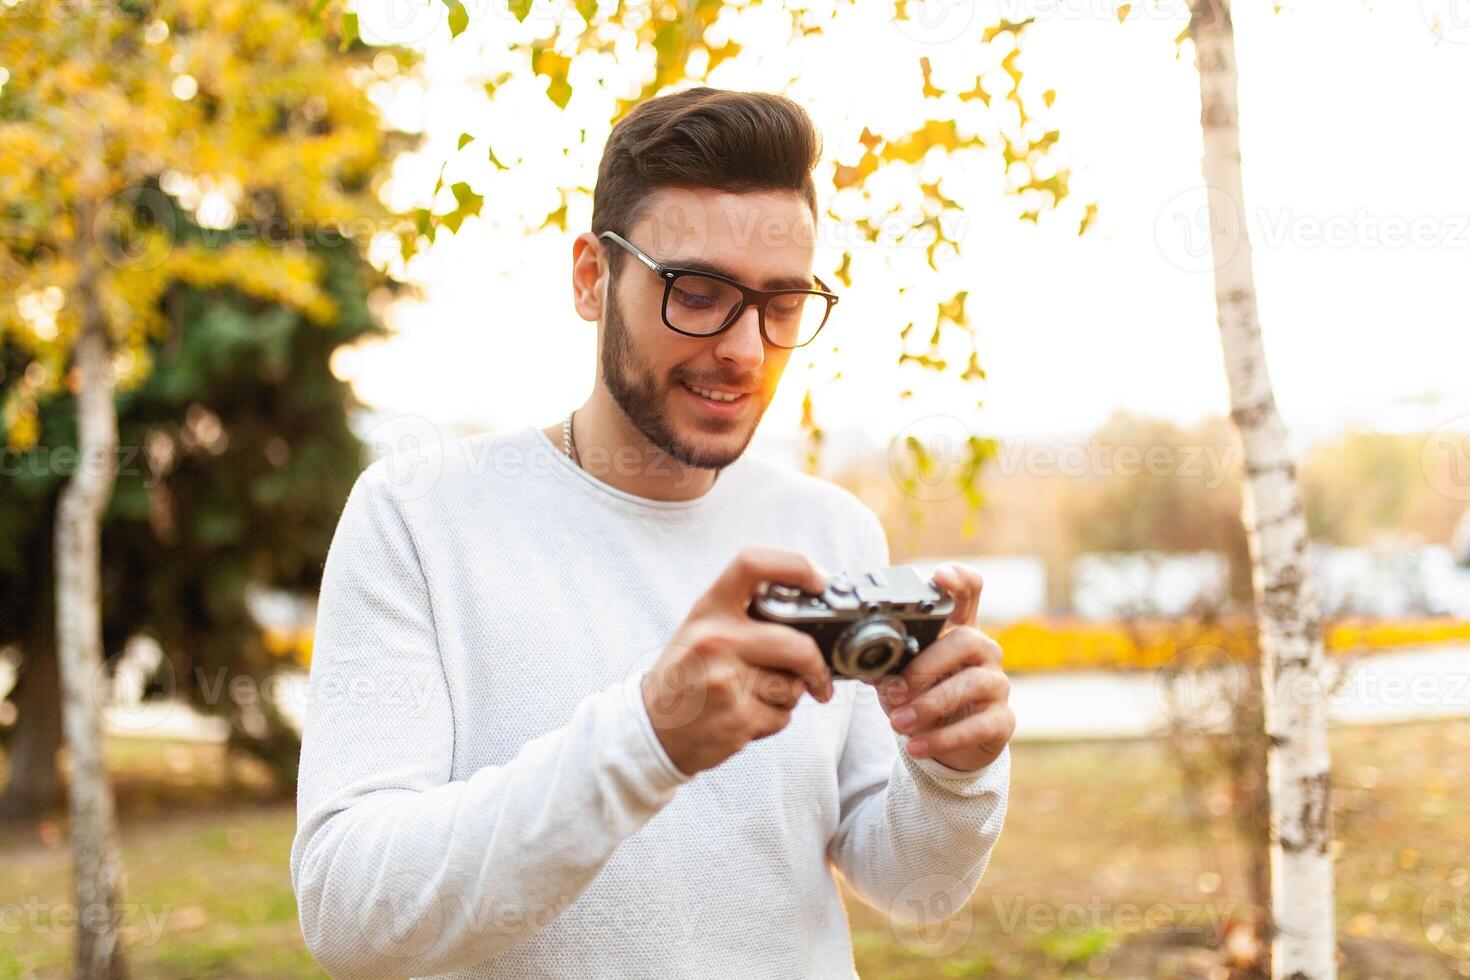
[589, 272]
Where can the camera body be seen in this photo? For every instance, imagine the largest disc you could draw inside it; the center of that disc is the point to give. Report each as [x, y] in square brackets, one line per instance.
[869, 625]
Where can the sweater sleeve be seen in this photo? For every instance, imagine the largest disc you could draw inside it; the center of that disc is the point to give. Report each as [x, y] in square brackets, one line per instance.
[914, 836]
[398, 869]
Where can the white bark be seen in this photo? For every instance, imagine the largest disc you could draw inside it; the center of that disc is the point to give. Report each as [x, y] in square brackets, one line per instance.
[1288, 613]
[79, 645]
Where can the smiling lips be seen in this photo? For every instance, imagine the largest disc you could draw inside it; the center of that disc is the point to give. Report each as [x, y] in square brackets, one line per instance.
[719, 396]
[715, 402]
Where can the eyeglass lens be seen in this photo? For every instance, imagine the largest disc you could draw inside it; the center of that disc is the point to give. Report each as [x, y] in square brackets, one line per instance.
[700, 305]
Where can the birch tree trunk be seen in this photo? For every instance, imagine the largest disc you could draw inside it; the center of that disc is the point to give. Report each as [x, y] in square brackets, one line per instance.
[1288, 613]
[79, 641]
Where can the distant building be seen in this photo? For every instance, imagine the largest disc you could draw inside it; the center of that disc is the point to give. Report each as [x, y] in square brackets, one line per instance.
[1114, 585]
[1460, 541]
[1391, 580]
[1014, 585]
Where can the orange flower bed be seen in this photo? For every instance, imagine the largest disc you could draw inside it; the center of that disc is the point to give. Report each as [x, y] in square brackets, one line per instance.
[1073, 643]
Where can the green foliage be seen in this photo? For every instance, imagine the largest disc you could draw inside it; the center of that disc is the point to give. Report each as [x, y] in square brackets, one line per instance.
[256, 113]
[1005, 120]
[235, 458]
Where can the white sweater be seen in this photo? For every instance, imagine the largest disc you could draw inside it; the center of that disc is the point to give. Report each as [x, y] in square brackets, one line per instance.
[481, 791]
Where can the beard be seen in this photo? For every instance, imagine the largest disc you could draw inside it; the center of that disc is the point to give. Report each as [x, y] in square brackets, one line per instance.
[644, 400]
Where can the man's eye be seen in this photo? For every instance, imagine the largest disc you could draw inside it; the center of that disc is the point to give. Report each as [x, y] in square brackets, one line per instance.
[693, 299]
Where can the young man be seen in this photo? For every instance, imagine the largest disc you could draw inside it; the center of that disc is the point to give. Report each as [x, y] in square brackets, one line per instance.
[545, 738]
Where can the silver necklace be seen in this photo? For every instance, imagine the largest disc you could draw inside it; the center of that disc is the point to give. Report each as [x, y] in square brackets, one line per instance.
[568, 444]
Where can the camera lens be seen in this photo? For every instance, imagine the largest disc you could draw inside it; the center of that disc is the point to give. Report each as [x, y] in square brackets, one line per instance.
[877, 655]
[868, 649]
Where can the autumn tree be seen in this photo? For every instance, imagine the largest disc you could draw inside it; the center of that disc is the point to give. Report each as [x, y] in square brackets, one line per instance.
[243, 459]
[1288, 614]
[253, 115]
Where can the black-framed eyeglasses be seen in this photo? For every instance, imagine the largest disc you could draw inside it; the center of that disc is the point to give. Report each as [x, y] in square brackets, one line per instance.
[702, 303]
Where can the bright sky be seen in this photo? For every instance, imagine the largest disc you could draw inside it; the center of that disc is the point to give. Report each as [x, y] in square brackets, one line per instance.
[1355, 155]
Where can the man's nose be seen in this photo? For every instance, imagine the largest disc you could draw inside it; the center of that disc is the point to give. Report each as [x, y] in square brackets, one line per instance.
[742, 344]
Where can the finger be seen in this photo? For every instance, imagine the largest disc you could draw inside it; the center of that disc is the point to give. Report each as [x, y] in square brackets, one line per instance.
[964, 693]
[989, 729]
[776, 687]
[893, 689]
[964, 584]
[740, 580]
[767, 720]
[783, 648]
[955, 650]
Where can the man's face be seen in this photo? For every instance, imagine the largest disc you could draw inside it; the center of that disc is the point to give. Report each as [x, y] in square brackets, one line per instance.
[652, 372]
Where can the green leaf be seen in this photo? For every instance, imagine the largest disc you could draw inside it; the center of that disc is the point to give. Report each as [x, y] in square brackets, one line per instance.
[520, 8]
[667, 41]
[490, 151]
[464, 140]
[495, 83]
[316, 23]
[349, 31]
[465, 196]
[588, 9]
[469, 204]
[1089, 215]
[1007, 27]
[545, 61]
[459, 18]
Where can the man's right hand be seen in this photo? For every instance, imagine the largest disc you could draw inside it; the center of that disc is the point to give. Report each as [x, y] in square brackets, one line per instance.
[726, 679]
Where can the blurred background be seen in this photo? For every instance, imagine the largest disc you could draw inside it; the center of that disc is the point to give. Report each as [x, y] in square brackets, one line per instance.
[305, 234]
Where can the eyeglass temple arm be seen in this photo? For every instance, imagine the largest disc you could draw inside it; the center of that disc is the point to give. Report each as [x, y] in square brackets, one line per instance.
[637, 252]
[656, 267]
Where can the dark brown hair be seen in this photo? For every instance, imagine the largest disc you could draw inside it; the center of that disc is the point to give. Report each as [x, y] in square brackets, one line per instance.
[703, 137]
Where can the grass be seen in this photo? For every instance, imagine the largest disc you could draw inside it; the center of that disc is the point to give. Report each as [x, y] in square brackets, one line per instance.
[1103, 870]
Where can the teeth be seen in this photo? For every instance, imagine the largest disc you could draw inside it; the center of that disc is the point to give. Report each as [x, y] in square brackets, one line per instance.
[719, 396]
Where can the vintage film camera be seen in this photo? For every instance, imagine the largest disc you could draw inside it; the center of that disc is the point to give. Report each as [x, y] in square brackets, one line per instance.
[868, 625]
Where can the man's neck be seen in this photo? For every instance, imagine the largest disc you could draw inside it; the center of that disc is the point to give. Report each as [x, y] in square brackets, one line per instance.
[610, 448]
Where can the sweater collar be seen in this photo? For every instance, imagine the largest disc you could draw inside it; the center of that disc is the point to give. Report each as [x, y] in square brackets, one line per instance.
[564, 469]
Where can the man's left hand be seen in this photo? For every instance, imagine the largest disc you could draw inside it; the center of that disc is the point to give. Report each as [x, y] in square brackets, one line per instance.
[951, 700]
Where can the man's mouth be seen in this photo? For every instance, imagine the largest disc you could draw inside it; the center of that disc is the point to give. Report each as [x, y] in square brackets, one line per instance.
[716, 401]
[714, 395]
